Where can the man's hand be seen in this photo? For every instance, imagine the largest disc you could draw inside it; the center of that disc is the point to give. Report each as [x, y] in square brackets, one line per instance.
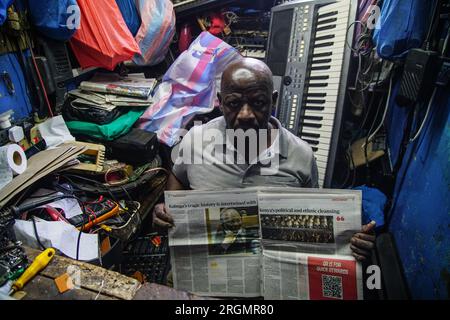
[362, 243]
[161, 218]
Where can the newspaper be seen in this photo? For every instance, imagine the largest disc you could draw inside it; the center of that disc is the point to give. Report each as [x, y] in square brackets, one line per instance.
[110, 83]
[266, 242]
[305, 244]
[207, 257]
[106, 102]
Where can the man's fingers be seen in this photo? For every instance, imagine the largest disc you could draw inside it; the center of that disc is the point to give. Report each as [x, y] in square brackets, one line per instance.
[360, 251]
[163, 215]
[359, 257]
[365, 245]
[160, 223]
[365, 236]
[369, 227]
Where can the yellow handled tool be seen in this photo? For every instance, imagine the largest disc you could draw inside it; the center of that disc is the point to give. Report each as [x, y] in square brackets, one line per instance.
[38, 264]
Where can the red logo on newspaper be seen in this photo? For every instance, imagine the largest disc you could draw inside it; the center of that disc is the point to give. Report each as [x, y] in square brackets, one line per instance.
[332, 279]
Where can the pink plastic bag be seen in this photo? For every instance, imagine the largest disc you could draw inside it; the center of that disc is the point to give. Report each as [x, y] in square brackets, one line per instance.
[156, 32]
[189, 87]
[103, 39]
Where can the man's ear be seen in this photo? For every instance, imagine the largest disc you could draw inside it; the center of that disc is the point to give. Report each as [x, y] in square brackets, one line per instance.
[219, 96]
[274, 100]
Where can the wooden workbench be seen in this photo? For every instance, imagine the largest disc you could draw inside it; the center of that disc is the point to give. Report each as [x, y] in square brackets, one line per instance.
[96, 284]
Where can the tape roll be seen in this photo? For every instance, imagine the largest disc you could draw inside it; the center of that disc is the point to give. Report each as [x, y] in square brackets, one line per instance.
[13, 157]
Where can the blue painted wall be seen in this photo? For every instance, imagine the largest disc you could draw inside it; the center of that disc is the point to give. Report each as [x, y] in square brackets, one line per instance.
[421, 217]
[19, 101]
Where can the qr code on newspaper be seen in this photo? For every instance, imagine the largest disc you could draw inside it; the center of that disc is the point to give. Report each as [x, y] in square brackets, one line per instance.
[331, 286]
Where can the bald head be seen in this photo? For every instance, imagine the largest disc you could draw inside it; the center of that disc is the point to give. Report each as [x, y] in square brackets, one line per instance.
[231, 219]
[247, 96]
[246, 70]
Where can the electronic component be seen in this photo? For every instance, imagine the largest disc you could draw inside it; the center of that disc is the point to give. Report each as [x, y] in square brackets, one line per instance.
[95, 154]
[253, 51]
[375, 150]
[419, 76]
[443, 79]
[309, 58]
[4, 275]
[6, 219]
[95, 213]
[60, 68]
[148, 255]
[137, 147]
[13, 262]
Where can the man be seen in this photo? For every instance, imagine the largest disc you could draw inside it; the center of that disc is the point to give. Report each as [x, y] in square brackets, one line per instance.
[231, 237]
[247, 99]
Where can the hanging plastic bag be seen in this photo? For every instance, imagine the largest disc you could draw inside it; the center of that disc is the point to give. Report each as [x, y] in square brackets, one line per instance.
[189, 87]
[156, 32]
[403, 26]
[103, 39]
[56, 19]
[130, 15]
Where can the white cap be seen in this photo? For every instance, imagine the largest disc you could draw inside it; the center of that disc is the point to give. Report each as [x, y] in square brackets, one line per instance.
[16, 134]
[5, 119]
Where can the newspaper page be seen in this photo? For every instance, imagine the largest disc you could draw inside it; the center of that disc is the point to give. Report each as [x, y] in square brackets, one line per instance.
[300, 276]
[305, 242]
[215, 244]
[132, 85]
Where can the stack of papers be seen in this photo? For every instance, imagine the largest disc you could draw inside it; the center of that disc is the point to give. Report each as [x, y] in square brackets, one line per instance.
[39, 166]
[109, 91]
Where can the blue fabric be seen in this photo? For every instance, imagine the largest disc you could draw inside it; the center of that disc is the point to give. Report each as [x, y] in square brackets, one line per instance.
[130, 15]
[403, 26]
[51, 17]
[373, 202]
[420, 219]
[19, 101]
[4, 4]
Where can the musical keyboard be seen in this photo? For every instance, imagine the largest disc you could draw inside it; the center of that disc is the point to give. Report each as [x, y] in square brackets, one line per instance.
[307, 52]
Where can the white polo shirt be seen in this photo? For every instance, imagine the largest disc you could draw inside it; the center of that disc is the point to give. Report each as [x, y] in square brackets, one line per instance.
[289, 161]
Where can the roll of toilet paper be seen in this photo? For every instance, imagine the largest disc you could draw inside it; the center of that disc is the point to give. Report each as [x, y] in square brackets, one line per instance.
[13, 157]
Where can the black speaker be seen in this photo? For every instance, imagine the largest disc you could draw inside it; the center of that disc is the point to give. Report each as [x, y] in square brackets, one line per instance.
[419, 77]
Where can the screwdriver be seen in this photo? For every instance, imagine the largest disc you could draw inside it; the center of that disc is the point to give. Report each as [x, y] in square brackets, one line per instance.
[41, 261]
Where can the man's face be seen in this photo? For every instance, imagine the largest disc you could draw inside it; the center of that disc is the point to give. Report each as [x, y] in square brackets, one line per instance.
[231, 220]
[247, 100]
